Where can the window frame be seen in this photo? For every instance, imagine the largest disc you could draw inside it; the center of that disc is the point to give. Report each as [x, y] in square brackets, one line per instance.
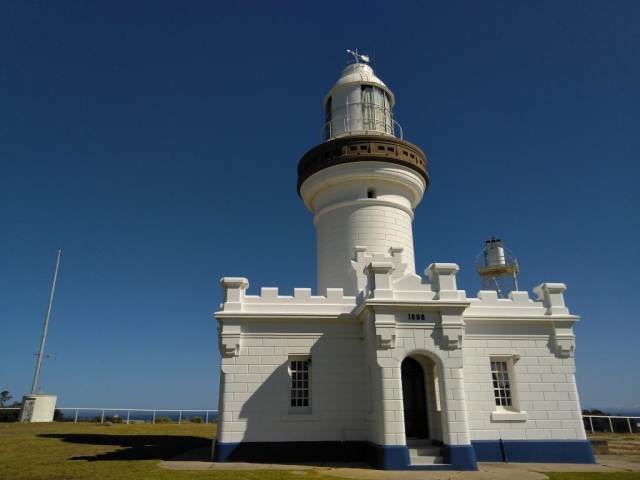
[299, 367]
[509, 402]
[501, 378]
[376, 113]
[507, 412]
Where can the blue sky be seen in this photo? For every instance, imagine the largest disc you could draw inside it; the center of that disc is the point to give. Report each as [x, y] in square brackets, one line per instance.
[156, 144]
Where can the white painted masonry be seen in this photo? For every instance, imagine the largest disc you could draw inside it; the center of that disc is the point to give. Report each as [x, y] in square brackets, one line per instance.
[38, 407]
[372, 313]
[459, 336]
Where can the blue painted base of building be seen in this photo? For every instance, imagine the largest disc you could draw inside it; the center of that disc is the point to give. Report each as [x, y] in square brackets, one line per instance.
[289, 452]
[534, 451]
[396, 457]
[382, 457]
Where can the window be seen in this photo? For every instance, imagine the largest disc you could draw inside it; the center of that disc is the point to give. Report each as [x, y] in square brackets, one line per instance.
[300, 381]
[505, 390]
[376, 109]
[501, 387]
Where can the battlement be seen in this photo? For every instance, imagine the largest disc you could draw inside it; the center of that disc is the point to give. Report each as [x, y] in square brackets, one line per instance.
[549, 301]
[381, 284]
[302, 303]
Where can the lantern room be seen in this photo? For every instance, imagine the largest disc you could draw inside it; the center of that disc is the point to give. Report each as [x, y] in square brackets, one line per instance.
[358, 103]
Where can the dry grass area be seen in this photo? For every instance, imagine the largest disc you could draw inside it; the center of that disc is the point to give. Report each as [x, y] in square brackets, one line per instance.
[87, 451]
[627, 444]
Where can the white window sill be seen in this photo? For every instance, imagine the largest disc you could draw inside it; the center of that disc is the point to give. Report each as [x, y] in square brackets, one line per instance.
[299, 417]
[508, 416]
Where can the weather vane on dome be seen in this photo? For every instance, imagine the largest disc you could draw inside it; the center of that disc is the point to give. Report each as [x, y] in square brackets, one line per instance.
[358, 57]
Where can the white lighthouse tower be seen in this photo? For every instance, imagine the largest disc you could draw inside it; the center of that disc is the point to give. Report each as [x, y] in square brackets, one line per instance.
[384, 365]
[362, 184]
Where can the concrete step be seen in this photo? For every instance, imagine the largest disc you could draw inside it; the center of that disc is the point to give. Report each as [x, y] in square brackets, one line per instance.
[426, 460]
[422, 452]
[429, 451]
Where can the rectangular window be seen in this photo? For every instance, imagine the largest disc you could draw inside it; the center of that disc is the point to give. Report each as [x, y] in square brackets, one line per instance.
[501, 387]
[300, 379]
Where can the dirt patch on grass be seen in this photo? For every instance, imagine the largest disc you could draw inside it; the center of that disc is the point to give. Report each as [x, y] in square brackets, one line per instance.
[627, 445]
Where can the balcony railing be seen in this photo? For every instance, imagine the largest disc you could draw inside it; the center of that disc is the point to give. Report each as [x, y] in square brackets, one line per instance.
[363, 123]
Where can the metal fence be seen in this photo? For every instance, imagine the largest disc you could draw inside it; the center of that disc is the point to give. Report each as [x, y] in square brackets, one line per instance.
[593, 423]
[605, 423]
[132, 415]
[127, 415]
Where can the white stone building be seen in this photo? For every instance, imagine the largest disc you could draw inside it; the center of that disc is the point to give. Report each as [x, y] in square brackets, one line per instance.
[384, 365]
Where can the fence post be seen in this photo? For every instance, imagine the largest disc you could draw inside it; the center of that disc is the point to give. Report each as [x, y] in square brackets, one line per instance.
[128, 412]
[629, 422]
[591, 423]
[207, 417]
[76, 419]
[102, 419]
[611, 424]
[154, 418]
[180, 417]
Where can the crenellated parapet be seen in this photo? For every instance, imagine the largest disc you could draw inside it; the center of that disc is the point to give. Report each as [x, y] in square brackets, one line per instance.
[270, 303]
[549, 303]
[376, 274]
[547, 309]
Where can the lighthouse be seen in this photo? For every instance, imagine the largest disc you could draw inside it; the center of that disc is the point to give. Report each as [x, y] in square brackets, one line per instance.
[362, 183]
[388, 363]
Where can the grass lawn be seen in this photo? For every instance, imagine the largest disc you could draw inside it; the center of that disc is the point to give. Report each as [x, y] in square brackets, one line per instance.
[627, 445]
[61, 451]
[593, 476]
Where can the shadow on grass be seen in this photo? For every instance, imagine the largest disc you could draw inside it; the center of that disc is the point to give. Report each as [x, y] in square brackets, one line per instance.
[134, 447]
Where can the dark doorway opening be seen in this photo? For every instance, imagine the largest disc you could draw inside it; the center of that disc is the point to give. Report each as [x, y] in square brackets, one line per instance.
[414, 399]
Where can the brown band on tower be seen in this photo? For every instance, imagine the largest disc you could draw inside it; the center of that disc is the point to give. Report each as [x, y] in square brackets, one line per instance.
[362, 148]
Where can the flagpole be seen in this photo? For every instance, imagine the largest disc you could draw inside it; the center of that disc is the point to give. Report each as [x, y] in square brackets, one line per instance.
[46, 324]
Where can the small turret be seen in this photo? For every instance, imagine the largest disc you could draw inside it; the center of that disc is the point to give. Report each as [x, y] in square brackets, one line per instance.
[498, 268]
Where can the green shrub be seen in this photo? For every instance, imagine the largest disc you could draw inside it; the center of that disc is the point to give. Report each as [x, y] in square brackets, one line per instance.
[9, 415]
[164, 420]
[58, 416]
[96, 419]
[197, 420]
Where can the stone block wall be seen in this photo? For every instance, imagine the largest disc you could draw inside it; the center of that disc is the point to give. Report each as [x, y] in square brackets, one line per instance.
[377, 227]
[256, 384]
[545, 397]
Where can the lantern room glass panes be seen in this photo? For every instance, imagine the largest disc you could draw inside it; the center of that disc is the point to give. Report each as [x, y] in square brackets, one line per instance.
[299, 370]
[376, 109]
[501, 388]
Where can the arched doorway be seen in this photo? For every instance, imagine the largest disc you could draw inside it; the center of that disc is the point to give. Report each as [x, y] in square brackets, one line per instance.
[414, 399]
